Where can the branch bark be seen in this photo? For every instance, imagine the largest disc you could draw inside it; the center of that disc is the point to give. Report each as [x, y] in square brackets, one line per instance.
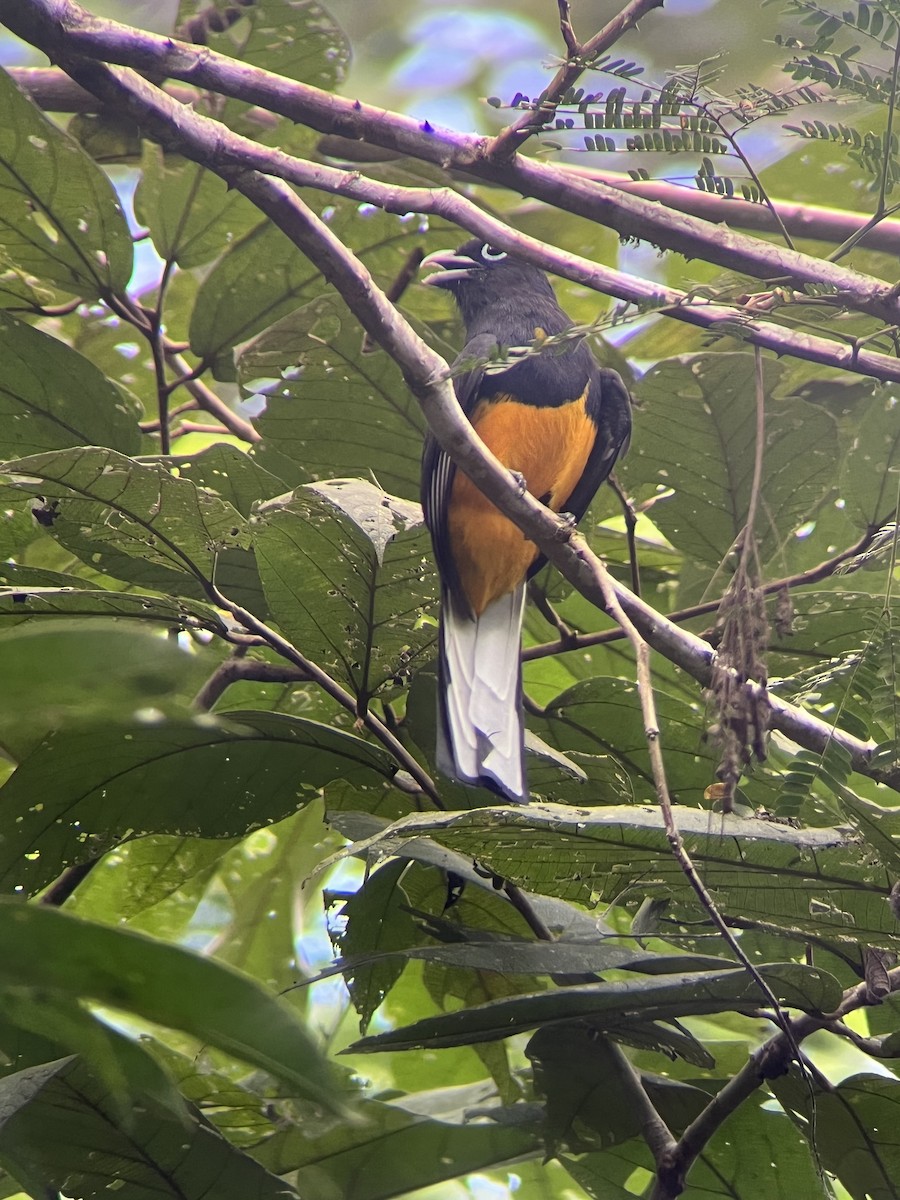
[62, 28]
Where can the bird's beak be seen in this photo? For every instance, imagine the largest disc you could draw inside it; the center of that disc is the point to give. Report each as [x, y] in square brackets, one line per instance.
[452, 267]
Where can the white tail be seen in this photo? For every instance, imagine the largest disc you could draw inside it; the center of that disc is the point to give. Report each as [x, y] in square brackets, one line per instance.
[480, 732]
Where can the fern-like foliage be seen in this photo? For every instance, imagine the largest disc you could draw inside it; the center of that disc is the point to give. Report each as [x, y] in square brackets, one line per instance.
[857, 691]
[854, 53]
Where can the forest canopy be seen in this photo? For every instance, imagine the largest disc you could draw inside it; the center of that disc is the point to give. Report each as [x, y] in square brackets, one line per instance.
[253, 942]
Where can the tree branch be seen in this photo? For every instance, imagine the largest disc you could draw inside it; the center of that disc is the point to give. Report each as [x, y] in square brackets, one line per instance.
[54, 91]
[238, 668]
[511, 139]
[771, 1060]
[61, 28]
[823, 570]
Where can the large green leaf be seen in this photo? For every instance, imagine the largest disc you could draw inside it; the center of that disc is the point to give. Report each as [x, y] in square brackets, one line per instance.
[801, 881]
[264, 276]
[397, 1150]
[379, 921]
[191, 213]
[49, 951]
[24, 603]
[610, 1005]
[695, 432]
[82, 791]
[60, 218]
[853, 1128]
[331, 409]
[137, 521]
[348, 576]
[558, 957]
[154, 884]
[79, 672]
[60, 1133]
[229, 473]
[51, 397]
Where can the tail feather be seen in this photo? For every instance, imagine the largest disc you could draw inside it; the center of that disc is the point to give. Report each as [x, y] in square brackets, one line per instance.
[480, 731]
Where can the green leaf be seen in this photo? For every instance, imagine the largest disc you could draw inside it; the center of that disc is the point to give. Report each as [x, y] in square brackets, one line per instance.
[59, 1131]
[331, 410]
[203, 778]
[573, 1068]
[801, 881]
[120, 1062]
[60, 218]
[296, 38]
[347, 575]
[110, 508]
[603, 716]
[153, 884]
[46, 949]
[377, 920]
[537, 958]
[191, 213]
[229, 473]
[869, 472]
[77, 672]
[26, 603]
[395, 1150]
[695, 431]
[609, 1005]
[736, 1162]
[263, 277]
[853, 1128]
[51, 397]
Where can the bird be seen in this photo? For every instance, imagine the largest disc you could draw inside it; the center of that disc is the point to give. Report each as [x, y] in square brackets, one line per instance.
[559, 421]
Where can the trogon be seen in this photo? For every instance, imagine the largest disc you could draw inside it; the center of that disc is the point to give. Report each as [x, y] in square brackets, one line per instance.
[557, 419]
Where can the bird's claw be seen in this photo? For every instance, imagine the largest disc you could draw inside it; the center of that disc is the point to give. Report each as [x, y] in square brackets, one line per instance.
[519, 481]
[567, 524]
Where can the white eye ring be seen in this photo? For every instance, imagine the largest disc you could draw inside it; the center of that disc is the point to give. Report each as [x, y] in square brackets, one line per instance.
[489, 254]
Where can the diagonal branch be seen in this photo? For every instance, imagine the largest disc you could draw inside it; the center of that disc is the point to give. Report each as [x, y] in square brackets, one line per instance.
[235, 150]
[62, 28]
[53, 90]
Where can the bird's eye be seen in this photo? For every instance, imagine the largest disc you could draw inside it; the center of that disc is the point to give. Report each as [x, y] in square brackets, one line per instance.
[492, 254]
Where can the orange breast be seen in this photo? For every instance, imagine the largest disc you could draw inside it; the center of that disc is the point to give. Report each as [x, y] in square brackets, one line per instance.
[549, 447]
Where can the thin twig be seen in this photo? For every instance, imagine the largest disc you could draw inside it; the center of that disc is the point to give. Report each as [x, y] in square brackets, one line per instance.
[206, 398]
[236, 669]
[823, 570]
[565, 28]
[673, 836]
[511, 139]
[630, 526]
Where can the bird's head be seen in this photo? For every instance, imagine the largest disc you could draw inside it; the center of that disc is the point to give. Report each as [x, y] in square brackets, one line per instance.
[481, 277]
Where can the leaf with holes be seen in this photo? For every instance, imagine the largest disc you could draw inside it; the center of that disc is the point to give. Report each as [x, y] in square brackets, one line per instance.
[348, 576]
[82, 791]
[695, 432]
[133, 520]
[60, 218]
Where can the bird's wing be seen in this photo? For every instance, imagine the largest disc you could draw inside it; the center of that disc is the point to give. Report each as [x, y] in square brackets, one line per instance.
[609, 407]
[438, 470]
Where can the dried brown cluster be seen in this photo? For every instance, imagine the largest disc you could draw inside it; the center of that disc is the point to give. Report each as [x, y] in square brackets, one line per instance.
[741, 712]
